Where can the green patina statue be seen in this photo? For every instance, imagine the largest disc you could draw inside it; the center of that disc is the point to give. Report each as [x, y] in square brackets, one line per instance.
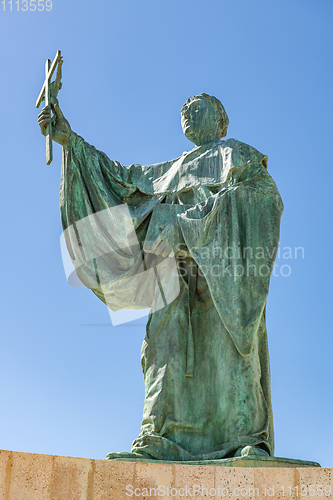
[215, 211]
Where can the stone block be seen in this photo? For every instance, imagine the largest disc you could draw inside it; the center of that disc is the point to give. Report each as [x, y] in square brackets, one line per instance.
[5, 469]
[111, 479]
[198, 479]
[72, 478]
[275, 483]
[235, 482]
[312, 482]
[27, 476]
[30, 477]
[153, 480]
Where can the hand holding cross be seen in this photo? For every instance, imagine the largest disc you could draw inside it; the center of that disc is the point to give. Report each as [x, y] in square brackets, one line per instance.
[54, 128]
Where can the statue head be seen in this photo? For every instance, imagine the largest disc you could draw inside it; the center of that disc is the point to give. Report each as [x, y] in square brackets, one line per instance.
[204, 119]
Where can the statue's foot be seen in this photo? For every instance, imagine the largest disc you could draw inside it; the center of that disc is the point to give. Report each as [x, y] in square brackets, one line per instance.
[250, 451]
[123, 455]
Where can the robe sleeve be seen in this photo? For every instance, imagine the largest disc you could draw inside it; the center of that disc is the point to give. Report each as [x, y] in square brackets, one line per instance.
[104, 216]
[234, 237]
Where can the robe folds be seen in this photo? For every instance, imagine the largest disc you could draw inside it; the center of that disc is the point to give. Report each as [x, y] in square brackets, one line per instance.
[205, 356]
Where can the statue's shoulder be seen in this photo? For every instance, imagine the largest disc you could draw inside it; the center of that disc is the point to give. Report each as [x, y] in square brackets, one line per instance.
[240, 146]
[242, 153]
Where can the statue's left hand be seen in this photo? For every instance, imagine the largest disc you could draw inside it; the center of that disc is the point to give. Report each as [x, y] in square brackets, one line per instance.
[164, 244]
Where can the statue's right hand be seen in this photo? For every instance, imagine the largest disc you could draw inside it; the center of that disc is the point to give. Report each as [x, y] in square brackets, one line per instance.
[44, 118]
[61, 129]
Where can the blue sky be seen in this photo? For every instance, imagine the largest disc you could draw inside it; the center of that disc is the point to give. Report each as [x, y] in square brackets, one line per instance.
[70, 382]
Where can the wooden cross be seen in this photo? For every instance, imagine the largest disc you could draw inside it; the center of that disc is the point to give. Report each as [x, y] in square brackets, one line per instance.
[45, 95]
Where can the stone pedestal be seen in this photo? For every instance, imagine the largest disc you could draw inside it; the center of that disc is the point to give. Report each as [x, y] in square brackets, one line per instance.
[27, 476]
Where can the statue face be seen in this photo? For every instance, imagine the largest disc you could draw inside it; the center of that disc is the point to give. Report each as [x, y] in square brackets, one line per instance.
[200, 121]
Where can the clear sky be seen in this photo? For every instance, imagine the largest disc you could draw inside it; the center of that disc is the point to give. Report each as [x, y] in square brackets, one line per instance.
[70, 382]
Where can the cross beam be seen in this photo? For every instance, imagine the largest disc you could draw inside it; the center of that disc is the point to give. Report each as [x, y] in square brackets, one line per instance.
[45, 94]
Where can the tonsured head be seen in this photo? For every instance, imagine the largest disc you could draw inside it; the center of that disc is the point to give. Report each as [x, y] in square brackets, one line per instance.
[204, 119]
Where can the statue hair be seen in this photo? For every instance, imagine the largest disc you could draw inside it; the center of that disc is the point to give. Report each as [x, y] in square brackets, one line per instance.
[224, 123]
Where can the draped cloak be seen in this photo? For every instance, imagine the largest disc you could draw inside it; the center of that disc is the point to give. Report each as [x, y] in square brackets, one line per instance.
[205, 356]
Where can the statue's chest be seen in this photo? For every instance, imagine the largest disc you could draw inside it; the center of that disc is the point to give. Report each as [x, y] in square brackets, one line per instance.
[202, 167]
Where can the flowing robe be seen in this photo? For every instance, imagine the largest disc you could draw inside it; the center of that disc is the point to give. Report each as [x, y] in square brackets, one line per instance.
[205, 355]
